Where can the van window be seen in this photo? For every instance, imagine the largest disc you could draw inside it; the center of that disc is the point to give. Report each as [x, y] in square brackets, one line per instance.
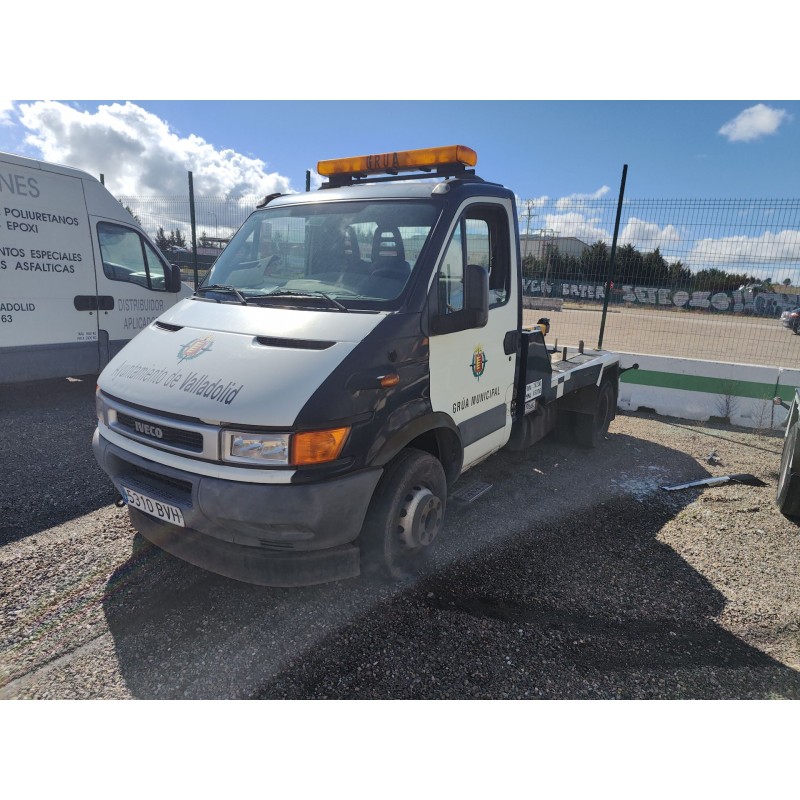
[128, 256]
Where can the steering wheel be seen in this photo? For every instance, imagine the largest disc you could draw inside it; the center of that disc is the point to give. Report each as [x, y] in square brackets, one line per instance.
[270, 262]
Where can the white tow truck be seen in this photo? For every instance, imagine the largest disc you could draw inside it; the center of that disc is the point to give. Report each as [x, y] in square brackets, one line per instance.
[352, 352]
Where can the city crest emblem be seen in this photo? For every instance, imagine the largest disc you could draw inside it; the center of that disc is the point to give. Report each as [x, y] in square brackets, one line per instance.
[478, 362]
[195, 348]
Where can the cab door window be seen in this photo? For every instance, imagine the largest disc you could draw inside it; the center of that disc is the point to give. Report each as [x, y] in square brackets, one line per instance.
[129, 257]
[451, 275]
[481, 237]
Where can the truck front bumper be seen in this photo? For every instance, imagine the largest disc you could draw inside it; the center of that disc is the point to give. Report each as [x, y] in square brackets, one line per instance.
[268, 534]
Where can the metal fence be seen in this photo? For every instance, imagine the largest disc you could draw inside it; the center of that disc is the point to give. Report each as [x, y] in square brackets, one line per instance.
[704, 279]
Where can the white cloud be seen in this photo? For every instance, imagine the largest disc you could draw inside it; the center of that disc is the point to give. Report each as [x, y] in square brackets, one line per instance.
[745, 252]
[6, 109]
[578, 200]
[570, 219]
[587, 229]
[646, 236]
[138, 153]
[754, 122]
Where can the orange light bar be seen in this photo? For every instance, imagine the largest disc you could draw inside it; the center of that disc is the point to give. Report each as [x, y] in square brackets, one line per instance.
[317, 447]
[400, 161]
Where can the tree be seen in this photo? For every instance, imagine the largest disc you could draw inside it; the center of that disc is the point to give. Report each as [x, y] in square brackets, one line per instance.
[176, 238]
[629, 265]
[655, 268]
[679, 275]
[137, 219]
[162, 242]
[594, 261]
[717, 280]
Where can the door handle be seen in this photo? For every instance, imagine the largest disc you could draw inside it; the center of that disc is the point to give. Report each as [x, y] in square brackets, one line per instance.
[93, 302]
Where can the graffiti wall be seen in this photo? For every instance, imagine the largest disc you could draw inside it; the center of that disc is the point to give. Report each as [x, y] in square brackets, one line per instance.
[743, 300]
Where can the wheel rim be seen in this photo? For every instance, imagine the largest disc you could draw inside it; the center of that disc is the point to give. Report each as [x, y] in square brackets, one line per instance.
[420, 518]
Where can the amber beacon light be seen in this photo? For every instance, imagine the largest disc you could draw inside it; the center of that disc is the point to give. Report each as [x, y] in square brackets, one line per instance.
[400, 161]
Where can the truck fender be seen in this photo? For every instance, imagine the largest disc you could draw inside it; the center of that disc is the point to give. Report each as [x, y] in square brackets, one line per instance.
[435, 433]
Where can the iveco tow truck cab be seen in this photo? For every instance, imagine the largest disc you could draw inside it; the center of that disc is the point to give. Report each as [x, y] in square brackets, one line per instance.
[351, 353]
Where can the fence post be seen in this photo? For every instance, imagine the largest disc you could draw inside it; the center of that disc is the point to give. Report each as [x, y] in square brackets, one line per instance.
[610, 276]
[194, 227]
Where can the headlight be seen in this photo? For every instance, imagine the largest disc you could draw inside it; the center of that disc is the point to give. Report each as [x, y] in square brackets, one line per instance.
[99, 405]
[283, 449]
[269, 449]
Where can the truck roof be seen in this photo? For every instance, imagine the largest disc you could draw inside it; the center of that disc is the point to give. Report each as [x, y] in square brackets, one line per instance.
[46, 166]
[401, 190]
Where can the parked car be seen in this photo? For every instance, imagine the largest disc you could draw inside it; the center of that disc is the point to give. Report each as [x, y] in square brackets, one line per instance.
[791, 318]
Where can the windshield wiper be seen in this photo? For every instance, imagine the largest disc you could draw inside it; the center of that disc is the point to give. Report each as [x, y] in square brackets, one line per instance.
[289, 293]
[218, 287]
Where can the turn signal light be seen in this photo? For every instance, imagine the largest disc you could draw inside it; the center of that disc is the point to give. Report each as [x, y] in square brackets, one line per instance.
[387, 381]
[317, 447]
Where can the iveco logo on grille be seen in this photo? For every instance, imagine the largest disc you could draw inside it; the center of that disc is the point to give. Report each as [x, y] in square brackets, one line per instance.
[148, 430]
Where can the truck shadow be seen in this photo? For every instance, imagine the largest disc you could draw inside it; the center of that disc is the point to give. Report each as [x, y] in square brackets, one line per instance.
[47, 428]
[526, 601]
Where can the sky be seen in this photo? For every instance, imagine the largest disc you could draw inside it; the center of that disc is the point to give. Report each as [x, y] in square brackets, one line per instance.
[734, 149]
[554, 154]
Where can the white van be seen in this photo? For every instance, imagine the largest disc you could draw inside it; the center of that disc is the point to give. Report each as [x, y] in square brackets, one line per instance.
[78, 277]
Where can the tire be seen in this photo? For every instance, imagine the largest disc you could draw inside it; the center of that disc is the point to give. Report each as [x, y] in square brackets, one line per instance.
[590, 429]
[788, 496]
[405, 516]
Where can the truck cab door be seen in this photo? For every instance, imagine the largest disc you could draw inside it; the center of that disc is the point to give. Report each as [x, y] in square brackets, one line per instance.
[471, 374]
[135, 284]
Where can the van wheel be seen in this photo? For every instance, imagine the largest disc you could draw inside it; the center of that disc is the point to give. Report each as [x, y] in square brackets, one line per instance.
[590, 429]
[788, 496]
[405, 517]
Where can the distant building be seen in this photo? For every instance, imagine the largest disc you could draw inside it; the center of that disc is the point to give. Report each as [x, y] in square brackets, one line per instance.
[537, 244]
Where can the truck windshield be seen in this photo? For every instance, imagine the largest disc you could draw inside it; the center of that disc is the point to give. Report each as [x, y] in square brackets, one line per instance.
[361, 254]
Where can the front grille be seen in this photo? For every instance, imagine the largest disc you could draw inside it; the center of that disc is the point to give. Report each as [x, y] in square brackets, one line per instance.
[176, 437]
[182, 490]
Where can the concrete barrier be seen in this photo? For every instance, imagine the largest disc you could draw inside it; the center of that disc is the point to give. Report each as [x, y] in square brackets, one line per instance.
[700, 390]
[543, 303]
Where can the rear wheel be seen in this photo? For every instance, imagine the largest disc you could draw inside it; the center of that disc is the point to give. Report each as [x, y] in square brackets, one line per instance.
[788, 496]
[405, 517]
[590, 429]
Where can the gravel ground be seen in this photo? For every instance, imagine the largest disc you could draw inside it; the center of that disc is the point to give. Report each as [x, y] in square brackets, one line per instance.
[576, 576]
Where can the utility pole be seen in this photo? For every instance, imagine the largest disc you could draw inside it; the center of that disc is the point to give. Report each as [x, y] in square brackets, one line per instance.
[528, 214]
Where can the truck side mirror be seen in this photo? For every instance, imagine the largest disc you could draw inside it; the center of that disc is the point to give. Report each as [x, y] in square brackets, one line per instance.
[475, 311]
[173, 275]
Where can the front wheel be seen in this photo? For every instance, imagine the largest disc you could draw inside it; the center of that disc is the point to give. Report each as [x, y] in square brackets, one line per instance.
[405, 516]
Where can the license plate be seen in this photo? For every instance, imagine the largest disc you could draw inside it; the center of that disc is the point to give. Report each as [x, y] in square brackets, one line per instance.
[155, 508]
